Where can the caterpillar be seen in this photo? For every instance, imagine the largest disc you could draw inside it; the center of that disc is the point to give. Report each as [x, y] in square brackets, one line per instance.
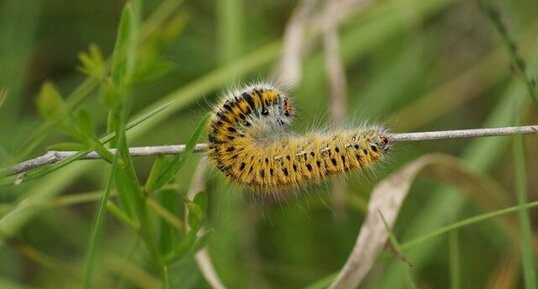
[250, 144]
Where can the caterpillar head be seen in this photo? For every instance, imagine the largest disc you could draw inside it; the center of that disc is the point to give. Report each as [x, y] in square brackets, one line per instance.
[371, 141]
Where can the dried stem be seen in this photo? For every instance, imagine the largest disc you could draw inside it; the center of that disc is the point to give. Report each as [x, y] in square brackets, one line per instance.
[55, 156]
[336, 77]
[465, 133]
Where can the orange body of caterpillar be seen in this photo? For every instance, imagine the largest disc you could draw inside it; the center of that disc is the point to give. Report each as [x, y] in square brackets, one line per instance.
[249, 144]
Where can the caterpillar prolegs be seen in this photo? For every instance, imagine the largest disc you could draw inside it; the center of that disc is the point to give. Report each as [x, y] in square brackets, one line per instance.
[250, 144]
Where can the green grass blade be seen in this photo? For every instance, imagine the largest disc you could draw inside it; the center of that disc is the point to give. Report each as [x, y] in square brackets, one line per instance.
[122, 216]
[180, 159]
[527, 256]
[155, 172]
[166, 277]
[454, 259]
[96, 234]
[124, 55]
[463, 223]
[398, 250]
[230, 30]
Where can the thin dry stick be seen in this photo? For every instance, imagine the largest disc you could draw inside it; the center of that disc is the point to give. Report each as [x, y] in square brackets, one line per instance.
[337, 80]
[55, 156]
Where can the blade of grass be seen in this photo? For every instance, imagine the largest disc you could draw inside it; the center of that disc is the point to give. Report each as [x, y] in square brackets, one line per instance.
[527, 255]
[464, 223]
[397, 248]
[155, 173]
[165, 214]
[454, 259]
[122, 217]
[166, 278]
[97, 231]
[230, 25]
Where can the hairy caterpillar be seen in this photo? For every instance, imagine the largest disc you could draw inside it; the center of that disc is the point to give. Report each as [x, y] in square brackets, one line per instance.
[249, 143]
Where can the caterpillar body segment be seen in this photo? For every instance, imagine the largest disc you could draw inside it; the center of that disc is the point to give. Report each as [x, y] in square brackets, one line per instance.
[248, 142]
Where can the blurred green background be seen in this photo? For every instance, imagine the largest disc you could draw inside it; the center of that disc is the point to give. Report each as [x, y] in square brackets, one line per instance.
[411, 65]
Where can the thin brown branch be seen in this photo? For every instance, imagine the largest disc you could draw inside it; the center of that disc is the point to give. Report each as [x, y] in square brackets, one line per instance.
[336, 77]
[55, 156]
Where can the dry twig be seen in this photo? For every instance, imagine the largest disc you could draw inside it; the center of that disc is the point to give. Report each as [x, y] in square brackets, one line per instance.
[55, 156]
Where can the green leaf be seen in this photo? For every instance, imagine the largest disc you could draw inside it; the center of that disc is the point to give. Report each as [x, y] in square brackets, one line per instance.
[201, 200]
[124, 56]
[98, 147]
[168, 172]
[158, 164]
[526, 245]
[125, 197]
[183, 247]
[109, 94]
[196, 215]
[53, 108]
[96, 235]
[93, 63]
[121, 216]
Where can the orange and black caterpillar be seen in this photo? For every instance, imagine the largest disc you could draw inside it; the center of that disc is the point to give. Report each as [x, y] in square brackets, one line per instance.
[248, 142]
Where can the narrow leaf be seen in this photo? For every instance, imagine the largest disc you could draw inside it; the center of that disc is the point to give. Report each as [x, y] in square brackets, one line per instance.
[93, 63]
[181, 158]
[156, 169]
[123, 59]
[196, 215]
[527, 256]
